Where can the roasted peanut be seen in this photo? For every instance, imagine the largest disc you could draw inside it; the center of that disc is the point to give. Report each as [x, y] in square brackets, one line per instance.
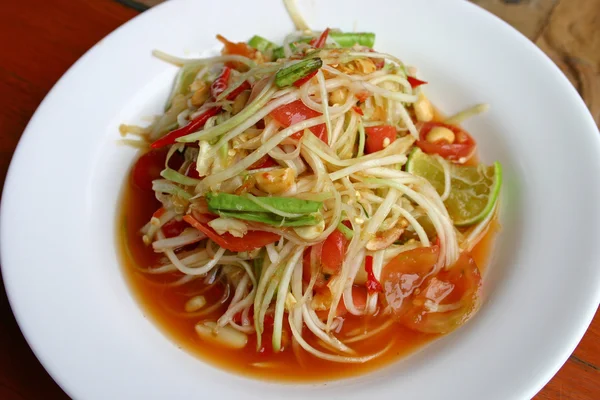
[276, 181]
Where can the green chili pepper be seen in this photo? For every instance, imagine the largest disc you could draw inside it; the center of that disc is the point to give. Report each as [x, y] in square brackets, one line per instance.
[349, 39]
[290, 74]
[343, 39]
[272, 219]
[280, 53]
[261, 44]
[231, 202]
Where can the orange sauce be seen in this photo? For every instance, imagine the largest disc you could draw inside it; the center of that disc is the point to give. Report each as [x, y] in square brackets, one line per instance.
[165, 306]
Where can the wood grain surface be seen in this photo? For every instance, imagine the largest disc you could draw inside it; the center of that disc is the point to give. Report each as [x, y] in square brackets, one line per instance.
[40, 40]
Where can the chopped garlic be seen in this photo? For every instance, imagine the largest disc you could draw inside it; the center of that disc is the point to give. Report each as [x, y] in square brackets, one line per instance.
[290, 301]
[225, 336]
[195, 303]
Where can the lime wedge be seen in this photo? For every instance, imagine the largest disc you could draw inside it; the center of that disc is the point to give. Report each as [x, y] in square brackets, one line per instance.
[474, 189]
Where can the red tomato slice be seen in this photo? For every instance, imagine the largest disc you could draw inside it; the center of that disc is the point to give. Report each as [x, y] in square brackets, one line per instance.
[263, 162]
[331, 254]
[174, 228]
[334, 250]
[359, 298]
[192, 172]
[455, 291]
[295, 112]
[442, 302]
[404, 273]
[250, 241]
[147, 168]
[376, 137]
[463, 146]
[320, 282]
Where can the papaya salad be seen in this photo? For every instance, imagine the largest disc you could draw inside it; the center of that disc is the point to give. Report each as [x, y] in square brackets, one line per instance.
[304, 185]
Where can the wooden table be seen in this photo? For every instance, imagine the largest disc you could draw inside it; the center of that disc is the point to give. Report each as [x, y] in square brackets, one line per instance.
[41, 39]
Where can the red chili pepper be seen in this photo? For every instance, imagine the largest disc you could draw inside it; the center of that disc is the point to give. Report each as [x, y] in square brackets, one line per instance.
[200, 120]
[250, 241]
[220, 84]
[362, 96]
[320, 42]
[414, 82]
[358, 110]
[236, 92]
[307, 78]
[263, 162]
[193, 126]
[372, 284]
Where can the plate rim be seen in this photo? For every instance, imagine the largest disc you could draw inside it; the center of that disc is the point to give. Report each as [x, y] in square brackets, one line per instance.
[29, 133]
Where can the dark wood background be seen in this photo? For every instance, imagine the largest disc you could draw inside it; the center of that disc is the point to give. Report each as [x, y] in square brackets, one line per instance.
[40, 40]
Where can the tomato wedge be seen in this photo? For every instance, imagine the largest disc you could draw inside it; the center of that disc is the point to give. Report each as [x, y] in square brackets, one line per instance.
[442, 302]
[148, 167]
[331, 254]
[320, 282]
[404, 273]
[359, 298]
[250, 241]
[174, 228]
[376, 137]
[463, 146]
[295, 112]
[334, 250]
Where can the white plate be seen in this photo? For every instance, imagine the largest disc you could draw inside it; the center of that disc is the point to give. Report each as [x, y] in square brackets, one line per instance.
[59, 259]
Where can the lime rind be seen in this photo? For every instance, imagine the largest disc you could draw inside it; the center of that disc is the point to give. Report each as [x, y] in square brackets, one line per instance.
[492, 195]
[492, 199]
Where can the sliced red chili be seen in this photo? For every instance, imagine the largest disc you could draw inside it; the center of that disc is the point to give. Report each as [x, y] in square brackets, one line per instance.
[373, 285]
[220, 84]
[358, 110]
[319, 42]
[193, 126]
[414, 82]
[198, 122]
[263, 162]
[250, 241]
[307, 78]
